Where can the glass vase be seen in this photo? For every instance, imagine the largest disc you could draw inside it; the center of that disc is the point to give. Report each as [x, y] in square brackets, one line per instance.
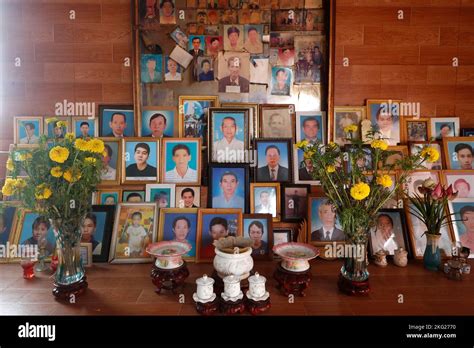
[432, 255]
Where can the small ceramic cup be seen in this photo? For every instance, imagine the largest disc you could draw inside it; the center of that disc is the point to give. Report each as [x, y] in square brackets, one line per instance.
[401, 257]
[257, 285]
[232, 286]
[205, 287]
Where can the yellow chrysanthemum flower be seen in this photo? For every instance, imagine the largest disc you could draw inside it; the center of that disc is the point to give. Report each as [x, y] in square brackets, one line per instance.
[70, 176]
[308, 154]
[69, 136]
[43, 192]
[20, 183]
[90, 160]
[24, 156]
[81, 145]
[430, 153]
[332, 145]
[330, 168]
[105, 153]
[51, 120]
[57, 172]
[379, 144]
[61, 124]
[9, 187]
[302, 144]
[96, 146]
[59, 154]
[10, 165]
[360, 191]
[384, 180]
[350, 129]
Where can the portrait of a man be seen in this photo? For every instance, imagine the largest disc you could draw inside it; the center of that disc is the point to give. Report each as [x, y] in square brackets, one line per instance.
[180, 227]
[182, 161]
[228, 187]
[464, 222]
[29, 132]
[235, 82]
[151, 68]
[265, 200]
[309, 127]
[84, 129]
[117, 123]
[276, 123]
[387, 234]
[213, 45]
[157, 124]
[218, 228]
[109, 169]
[233, 38]
[188, 197]
[197, 46]
[133, 196]
[385, 117]
[143, 164]
[273, 161]
[281, 81]
[464, 155]
[6, 224]
[324, 221]
[228, 134]
[257, 231]
[253, 41]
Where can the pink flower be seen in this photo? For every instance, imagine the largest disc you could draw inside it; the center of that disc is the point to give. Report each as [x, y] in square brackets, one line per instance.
[437, 192]
[450, 194]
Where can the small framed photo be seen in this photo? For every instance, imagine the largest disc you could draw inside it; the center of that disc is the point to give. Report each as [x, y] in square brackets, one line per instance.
[196, 45]
[265, 199]
[214, 44]
[84, 127]
[58, 128]
[180, 37]
[233, 72]
[400, 152]
[345, 116]
[167, 12]
[417, 178]
[179, 225]
[229, 140]
[253, 38]
[140, 160]
[86, 254]
[467, 132]
[172, 70]
[415, 129]
[323, 224]
[277, 121]
[443, 127]
[205, 69]
[133, 196]
[286, 57]
[309, 50]
[462, 181]
[188, 196]
[364, 158]
[110, 174]
[111, 196]
[158, 122]
[311, 126]
[96, 230]
[273, 160]
[116, 121]
[161, 194]
[463, 222]
[182, 161]
[151, 68]
[384, 114]
[282, 80]
[389, 232]
[28, 130]
[458, 152]
[8, 220]
[282, 235]
[134, 230]
[233, 37]
[258, 227]
[294, 202]
[254, 110]
[416, 147]
[228, 186]
[212, 225]
[284, 20]
[303, 168]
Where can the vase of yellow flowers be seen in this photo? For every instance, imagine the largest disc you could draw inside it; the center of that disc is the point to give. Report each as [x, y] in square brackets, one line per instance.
[358, 182]
[61, 175]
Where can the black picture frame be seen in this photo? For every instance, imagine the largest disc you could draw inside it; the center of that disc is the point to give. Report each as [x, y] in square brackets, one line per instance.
[290, 234]
[108, 230]
[467, 132]
[284, 204]
[269, 221]
[124, 107]
[260, 177]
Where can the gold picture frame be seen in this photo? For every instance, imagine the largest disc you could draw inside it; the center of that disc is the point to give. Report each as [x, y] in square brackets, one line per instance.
[126, 156]
[253, 208]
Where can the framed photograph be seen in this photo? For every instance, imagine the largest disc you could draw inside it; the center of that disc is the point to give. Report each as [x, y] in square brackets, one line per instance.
[110, 196]
[284, 20]
[313, 20]
[140, 160]
[180, 37]
[416, 147]
[193, 116]
[28, 130]
[228, 139]
[212, 225]
[179, 225]
[181, 56]
[400, 152]
[96, 229]
[467, 132]
[253, 38]
[161, 194]
[228, 186]
[167, 12]
[254, 110]
[233, 72]
[265, 199]
[282, 78]
[416, 179]
[363, 162]
[149, 12]
[418, 240]
[324, 226]
[415, 129]
[151, 70]
[458, 152]
[112, 162]
[182, 161]
[462, 181]
[302, 168]
[233, 37]
[273, 160]
[277, 121]
[84, 127]
[258, 227]
[345, 116]
[463, 222]
[158, 122]
[172, 70]
[196, 45]
[86, 254]
[443, 127]
[311, 126]
[286, 57]
[188, 196]
[133, 196]
[384, 114]
[310, 62]
[282, 40]
[134, 230]
[282, 235]
[8, 220]
[214, 44]
[294, 202]
[205, 69]
[390, 232]
[116, 121]
[58, 128]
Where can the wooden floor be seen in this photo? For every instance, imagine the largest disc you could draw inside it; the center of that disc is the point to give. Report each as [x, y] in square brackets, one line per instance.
[127, 290]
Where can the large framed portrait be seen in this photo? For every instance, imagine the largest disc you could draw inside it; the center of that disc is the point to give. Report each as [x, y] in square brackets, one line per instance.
[133, 196]
[158, 122]
[389, 232]
[324, 226]
[179, 225]
[228, 186]
[444, 127]
[161, 194]
[384, 114]
[110, 196]
[458, 152]
[8, 220]
[294, 202]
[415, 129]
[233, 37]
[417, 230]
[277, 121]
[310, 62]
[116, 121]
[345, 116]
[311, 126]
[112, 167]
[282, 80]
[57, 127]
[228, 138]
[258, 228]
[303, 168]
[212, 225]
[462, 181]
[134, 230]
[28, 130]
[273, 160]
[416, 179]
[84, 127]
[188, 196]
[253, 109]
[463, 222]
[416, 147]
[140, 160]
[265, 199]
[193, 116]
[97, 228]
[182, 161]
[233, 72]
[151, 68]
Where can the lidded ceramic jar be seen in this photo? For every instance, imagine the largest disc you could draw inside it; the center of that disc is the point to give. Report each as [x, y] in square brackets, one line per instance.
[205, 289]
[232, 290]
[257, 291]
[400, 257]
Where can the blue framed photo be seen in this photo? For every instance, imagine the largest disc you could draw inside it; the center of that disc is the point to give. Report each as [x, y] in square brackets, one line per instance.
[116, 121]
[228, 186]
[140, 160]
[273, 160]
[196, 45]
[84, 127]
[158, 122]
[324, 225]
[444, 127]
[459, 152]
[108, 197]
[162, 194]
[258, 227]
[7, 224]
[182, 161]
[385, 116]
[57, 129]
[36, 231]
[179, 225]
[97, 228]
[311, 126]
[28, 130]
[151, 70]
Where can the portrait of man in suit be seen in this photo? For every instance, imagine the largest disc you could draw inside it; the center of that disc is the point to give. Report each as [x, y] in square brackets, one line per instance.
[196, 50]
[328, 231]
[273, 170]
[157, 125]
[234, 80]
[118, 124]
[267, 204]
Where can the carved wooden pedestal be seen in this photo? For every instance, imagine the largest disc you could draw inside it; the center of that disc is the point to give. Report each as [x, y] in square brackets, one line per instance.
[169, 279]
[294, 283]
[257, 307]
[353, 288]
[230, 308]
[209, 308]
[65, 292]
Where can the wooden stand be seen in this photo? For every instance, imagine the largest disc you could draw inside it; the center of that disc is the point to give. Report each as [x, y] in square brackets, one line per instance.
[294, 283]
[353, 288]
[231, 308]
[169, 279]
[257, 307]
[209, 308]
[66, 292]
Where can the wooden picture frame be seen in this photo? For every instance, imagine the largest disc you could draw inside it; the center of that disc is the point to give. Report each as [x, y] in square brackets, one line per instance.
[129, 153]
[300, 172]
[169, 112]
[194, 159]
[412, 129]
[439, 164]
[461, 157]
[250, 226]
[278, 129]
[304, 116]
[107, 224]
[20, 138]
[273, 208]
[76, 121]
[293, 203]
[106, 113]
[461, 222]
[348, 112]
[262, 170]
[136, 192]
[373, 107]
[180, 201]
[217, 173]
[462, 181]
[49, 127]
[115, 144]
[437, 123]
[166, 192]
